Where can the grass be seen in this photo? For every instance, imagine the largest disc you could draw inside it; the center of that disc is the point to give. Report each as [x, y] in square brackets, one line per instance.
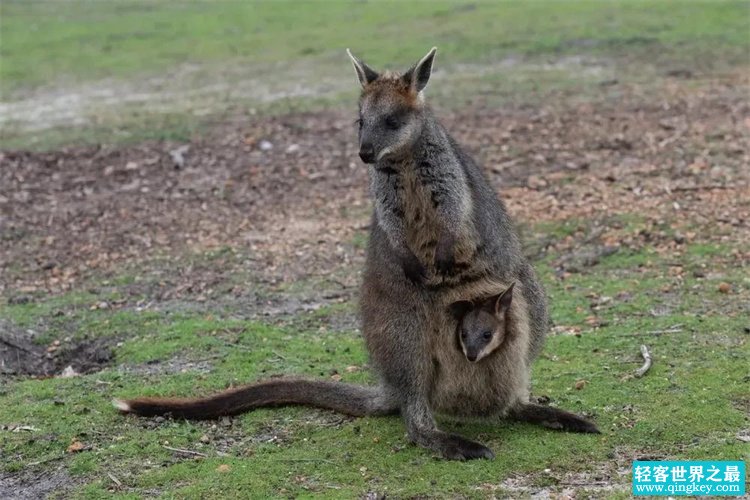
[44, 42]
[689, 406]
[199, 60]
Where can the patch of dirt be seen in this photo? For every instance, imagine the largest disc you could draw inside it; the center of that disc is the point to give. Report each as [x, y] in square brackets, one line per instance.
[19, 355]
[290, 197]
[35, 484]
[173, 365]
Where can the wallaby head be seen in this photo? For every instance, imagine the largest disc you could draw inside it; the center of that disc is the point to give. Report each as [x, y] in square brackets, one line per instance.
[482, 326]
[391, 109]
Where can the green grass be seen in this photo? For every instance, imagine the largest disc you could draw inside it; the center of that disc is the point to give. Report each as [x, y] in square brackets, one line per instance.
[255, 55]
[44, 42]
[689, 406]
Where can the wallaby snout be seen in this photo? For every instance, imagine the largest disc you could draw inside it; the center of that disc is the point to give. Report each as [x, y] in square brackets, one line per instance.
[367, 153]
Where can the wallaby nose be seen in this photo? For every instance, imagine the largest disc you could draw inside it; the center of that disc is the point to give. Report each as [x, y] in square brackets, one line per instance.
[471, 357]
[367, 153]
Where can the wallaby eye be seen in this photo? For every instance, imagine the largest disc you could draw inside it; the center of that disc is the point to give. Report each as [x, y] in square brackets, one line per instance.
[392, 123]
[358, 123]
[487, 335]
[463, 334]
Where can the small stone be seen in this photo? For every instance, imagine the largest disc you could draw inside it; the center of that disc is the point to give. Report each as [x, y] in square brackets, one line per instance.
[178, 156]
[205, 439]
[293, 148]
[265, 145]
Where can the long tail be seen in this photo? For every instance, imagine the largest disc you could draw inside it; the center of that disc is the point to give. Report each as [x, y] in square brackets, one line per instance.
[553, 418]
[350, 399]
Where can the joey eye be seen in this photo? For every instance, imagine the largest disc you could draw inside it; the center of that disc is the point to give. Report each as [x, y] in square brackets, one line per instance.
[392, 123]
[463, 335]
[487, 335]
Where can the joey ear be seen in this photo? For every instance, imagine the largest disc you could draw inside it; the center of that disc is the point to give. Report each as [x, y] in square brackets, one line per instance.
[365, 73]
[459, 309]
[502, 303]
[418, 76]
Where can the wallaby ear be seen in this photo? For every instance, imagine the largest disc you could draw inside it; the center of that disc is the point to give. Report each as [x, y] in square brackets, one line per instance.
[502, 303]
[418, 76]
[459, 309]
[365, 73]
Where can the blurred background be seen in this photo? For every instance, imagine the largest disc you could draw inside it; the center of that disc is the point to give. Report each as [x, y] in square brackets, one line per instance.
[123, 70]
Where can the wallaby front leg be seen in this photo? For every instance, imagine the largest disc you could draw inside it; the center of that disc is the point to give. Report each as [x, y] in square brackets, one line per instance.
[422, 430]
[413, 268]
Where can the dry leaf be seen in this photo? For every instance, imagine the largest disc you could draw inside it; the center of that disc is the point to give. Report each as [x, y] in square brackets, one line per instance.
[75, 447]
[223, 468]
[580, 384]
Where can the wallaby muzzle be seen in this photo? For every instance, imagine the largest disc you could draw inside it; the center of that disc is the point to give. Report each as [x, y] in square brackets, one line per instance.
[367, 153]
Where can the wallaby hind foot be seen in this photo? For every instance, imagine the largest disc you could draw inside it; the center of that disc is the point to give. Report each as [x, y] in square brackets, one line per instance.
[452, 446]
[553, 418]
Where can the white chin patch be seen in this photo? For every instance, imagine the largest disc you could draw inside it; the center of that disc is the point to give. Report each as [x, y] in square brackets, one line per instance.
[383, 153]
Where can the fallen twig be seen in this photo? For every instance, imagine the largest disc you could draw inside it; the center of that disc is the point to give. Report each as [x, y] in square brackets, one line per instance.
[673, 329]
[114, 479]
[646, 362]
[46, 460]
[705, 187]
[187, 452]
[314, 460]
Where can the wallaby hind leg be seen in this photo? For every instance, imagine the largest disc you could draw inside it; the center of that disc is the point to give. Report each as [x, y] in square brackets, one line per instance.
[422, 430]
[552, 418]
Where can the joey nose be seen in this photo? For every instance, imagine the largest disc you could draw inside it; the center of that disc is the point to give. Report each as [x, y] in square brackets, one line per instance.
[367, 153]
[471, 357]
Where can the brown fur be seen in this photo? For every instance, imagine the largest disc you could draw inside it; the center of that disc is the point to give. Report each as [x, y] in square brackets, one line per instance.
[456, 391]
[393, 88]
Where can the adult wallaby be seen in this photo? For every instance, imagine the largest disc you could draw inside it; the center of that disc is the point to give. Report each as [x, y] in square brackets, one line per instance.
[439, 235]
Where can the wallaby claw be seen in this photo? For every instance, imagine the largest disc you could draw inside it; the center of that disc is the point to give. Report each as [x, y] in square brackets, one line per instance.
[460, 448]
[444, 260]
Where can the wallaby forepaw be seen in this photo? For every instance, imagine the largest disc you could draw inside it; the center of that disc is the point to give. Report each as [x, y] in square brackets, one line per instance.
[414, 270]
[459, 448]
[444, 259]
[444, 266]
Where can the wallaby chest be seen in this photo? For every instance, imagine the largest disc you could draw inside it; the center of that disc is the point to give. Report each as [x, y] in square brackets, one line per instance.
[419, 208]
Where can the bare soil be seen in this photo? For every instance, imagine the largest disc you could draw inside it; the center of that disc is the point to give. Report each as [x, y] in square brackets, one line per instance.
[289, 196]
[20, 355]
